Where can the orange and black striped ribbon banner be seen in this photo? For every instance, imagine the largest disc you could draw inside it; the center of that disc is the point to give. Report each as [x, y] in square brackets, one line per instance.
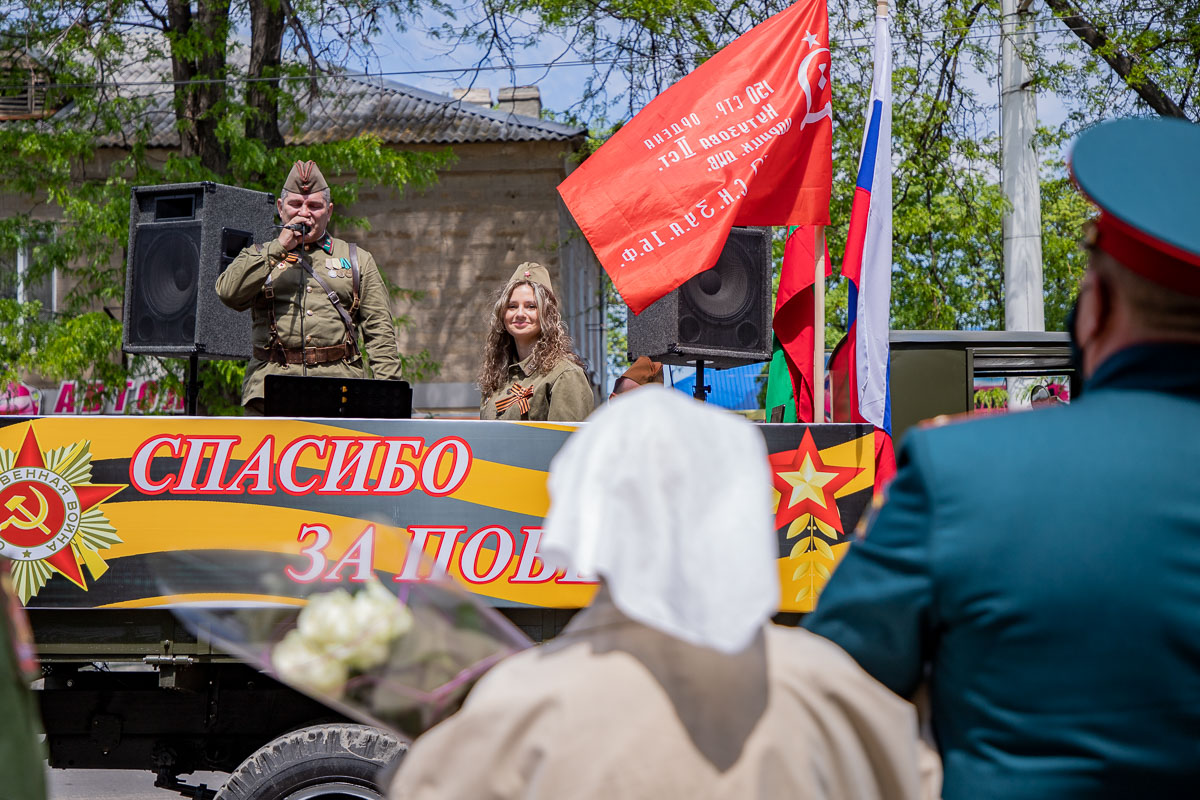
[95, 511]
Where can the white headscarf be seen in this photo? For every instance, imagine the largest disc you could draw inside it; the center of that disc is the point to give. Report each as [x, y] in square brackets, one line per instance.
[668, 500]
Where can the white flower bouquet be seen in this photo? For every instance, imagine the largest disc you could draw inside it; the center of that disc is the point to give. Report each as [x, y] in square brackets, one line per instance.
[395, 655]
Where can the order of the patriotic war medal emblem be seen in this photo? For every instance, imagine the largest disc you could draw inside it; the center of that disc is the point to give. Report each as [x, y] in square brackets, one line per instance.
[50, 520]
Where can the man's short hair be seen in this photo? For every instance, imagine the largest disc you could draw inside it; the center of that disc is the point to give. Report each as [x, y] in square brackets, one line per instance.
[1157, 308]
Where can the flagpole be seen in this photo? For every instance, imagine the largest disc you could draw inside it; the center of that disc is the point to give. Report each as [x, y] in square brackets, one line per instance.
[881, 11]
[818, 414]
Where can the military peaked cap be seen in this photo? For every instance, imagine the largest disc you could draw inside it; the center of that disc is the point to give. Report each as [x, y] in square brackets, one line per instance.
[1144, 175]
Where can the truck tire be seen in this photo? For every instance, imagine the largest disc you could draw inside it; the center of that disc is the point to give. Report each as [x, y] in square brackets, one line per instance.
[331, 762]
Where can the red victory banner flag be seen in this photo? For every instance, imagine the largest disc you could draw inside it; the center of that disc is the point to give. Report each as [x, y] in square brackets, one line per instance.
[745, 139]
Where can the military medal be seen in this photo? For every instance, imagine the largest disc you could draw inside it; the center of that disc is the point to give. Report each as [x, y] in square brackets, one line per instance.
[331, 266]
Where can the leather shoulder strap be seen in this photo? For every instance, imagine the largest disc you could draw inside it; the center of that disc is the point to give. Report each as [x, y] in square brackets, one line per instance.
[268, 292]
[355, 278]
[333, 298]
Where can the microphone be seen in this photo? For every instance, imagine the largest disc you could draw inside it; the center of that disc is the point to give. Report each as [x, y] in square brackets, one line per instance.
[299, 227]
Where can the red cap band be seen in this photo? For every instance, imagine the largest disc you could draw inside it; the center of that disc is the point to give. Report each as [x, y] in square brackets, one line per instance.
[1151, 258]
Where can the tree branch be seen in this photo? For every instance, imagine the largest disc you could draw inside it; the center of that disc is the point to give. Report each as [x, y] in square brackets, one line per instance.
[1121, 63]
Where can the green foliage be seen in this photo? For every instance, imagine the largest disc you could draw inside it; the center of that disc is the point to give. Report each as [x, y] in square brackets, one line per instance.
[79, 346]
[22, 330]
[419, 366]
[948, 270]
[948, 243]
[995, 397]
[79, 223]
[616, 315]
[1144, 60]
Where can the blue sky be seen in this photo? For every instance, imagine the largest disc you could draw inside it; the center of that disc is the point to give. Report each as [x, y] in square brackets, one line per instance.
[414, 52]
[415, 59]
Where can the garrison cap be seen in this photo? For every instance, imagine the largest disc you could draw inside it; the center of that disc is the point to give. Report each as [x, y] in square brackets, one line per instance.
[1144, 175]
[305, 178]
[644, 371]
[534, 272]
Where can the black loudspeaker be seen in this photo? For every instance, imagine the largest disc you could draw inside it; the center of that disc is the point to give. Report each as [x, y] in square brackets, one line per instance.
[722, 315]
[181, 237]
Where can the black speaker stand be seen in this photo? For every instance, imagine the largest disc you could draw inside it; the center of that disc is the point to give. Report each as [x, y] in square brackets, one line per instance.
[192, 391]
[701, 391]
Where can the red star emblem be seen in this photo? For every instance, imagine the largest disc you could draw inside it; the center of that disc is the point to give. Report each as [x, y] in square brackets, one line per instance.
[65, 560]
[807, 485]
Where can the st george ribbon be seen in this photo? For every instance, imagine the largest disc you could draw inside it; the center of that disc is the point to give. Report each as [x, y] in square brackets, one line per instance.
[745, 139]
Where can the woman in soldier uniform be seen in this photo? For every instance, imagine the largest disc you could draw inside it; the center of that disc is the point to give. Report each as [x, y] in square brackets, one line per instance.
[530, 370]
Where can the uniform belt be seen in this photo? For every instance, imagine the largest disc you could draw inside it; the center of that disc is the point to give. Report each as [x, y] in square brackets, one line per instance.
[311, 356]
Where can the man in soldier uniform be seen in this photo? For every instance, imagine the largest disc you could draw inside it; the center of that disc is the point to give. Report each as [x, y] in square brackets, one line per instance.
[310, 296]
[1051, 603]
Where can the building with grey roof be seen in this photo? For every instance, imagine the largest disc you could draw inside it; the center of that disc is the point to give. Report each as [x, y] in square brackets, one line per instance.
[457, 240]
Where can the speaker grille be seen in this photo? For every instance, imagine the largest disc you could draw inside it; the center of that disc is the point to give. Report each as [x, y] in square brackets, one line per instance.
[722, 315]
[164, 306]
[181, 236]
[722, 306]
[722, 294]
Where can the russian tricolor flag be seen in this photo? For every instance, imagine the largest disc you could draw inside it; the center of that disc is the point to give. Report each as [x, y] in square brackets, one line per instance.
[868, 267]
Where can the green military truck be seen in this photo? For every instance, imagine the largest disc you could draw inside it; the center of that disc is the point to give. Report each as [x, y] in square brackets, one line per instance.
[95, 510]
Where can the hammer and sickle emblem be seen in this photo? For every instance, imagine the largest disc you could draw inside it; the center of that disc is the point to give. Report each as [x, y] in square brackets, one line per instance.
[21, 517]
[802, 78]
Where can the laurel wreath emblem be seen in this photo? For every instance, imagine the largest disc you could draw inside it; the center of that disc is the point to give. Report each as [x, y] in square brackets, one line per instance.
[72, 463]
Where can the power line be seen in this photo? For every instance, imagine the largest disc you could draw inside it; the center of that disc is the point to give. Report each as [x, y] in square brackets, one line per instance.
[927, 37]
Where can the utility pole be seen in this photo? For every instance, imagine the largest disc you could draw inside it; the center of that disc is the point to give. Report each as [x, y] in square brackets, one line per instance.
[1023, 290]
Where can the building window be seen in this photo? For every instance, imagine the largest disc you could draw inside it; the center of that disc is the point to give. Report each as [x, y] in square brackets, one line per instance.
[23, 85]
[16, 282]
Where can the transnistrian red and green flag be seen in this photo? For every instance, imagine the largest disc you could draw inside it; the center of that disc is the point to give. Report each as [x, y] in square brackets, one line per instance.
[790, 379]
[745, 139]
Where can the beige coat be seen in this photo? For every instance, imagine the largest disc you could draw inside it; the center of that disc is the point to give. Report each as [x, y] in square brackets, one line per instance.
[614, 709]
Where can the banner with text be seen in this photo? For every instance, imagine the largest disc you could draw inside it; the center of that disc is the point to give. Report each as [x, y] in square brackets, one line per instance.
[745, 139]
[94, 511]
[72, 397]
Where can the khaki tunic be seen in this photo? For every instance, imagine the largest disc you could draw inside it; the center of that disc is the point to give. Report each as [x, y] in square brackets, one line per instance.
[561, 395]
[301, 304]
[612, 708]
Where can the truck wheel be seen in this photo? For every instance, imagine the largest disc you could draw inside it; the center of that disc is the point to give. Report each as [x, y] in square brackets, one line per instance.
[324, 761]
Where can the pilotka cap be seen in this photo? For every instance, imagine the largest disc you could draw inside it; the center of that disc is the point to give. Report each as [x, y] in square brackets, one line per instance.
[305, 178]
[644, 371]
[533, 272]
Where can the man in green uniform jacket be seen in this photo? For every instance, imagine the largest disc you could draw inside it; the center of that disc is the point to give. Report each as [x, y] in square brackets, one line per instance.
[1041, 570]
[287, 284]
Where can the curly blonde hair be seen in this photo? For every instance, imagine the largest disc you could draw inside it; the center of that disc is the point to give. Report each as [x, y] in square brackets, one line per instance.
[499, 350]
